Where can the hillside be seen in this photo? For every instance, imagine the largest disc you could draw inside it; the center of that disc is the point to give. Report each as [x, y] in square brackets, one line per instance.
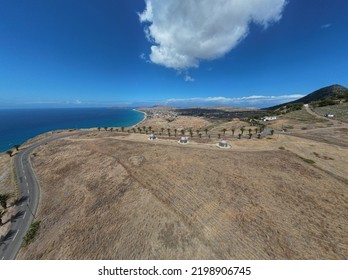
[332, 91]
[116, 196]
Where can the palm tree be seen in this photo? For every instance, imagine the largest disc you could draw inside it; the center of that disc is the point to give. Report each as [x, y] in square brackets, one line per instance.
[16, 147]
[197, 131]
[144, 128]
[175, 131]
[258, 136]
[98, 128]
[262, 127]
[9, 152]
[106, 128]
[122, 128]
[256, 130]
[232, 131]
[272, 131]
[219, 135]
[224, 131]
[250, 130]
[239, 135]
[134, 131]
[168, 129]
[191, 133]
[111, 128]
[206, 131]
[183, 131]
[162, 129]
[200, 135]
[250, 135]
[3, 199]
[242, 130]
[116, 129]
[139, 129]
[149, 128]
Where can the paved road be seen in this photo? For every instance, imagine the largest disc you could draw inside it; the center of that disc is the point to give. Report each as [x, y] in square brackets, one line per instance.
[29, 199]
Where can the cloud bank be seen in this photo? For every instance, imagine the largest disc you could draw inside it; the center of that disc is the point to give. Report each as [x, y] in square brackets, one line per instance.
[248, 101]
[184, 32]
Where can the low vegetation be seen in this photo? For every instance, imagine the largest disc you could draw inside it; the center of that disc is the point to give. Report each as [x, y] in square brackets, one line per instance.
[307, 160]
[302, 116]
[288, 108]
[4, 198]
[30, 235]
[339, 111]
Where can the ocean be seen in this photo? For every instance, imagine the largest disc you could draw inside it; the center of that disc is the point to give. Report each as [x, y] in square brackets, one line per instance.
[19, 125]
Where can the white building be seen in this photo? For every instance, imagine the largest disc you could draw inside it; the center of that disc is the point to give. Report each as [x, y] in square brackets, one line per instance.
[266, 119]
[152, 137]
[183, 140]
[223, 143]
[329, 115]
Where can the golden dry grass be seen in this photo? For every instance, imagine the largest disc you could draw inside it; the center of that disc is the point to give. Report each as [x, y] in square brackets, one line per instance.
[128, 198]
[181, 122]
[5, 173]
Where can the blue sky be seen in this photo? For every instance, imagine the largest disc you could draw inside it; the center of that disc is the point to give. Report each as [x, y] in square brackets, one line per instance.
[118, 52]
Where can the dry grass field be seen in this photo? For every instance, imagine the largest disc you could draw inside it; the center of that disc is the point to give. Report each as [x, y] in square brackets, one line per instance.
[117, 196]
[181, 122]
[340, 111]
[5, 173]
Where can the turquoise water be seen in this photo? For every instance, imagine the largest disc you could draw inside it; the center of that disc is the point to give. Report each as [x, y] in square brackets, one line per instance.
[19, 125]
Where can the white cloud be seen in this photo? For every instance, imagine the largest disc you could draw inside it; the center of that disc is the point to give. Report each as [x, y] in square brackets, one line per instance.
[254, 100]
[142, 56]
[325, 26]
[188, 78]
[183, 32]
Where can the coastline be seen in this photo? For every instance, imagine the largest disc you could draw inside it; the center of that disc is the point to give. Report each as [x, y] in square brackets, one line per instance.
[145, 117]
[24, 140]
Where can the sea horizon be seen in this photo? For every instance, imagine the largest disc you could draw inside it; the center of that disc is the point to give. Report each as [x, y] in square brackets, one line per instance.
[21, 124]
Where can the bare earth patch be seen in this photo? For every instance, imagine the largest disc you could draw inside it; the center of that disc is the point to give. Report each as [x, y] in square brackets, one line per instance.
[123, 197]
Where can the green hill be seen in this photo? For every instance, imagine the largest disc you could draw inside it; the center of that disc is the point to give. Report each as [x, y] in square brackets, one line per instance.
[330, 95]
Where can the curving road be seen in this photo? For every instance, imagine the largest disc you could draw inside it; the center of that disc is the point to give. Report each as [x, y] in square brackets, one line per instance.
[29, 199]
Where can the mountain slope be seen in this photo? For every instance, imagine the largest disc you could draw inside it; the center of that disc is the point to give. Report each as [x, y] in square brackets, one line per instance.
[330, 91]
[326, 92]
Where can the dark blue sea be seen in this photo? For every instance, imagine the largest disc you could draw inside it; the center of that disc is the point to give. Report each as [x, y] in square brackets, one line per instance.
[19, 125]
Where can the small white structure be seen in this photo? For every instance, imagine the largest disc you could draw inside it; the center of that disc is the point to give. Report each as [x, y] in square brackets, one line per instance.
[223, 144]
[329, 115]
[266, 119]
[183, 140]
[152, 137]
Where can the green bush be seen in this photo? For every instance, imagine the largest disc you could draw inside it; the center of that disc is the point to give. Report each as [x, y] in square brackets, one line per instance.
[30, 235]
[307, 160]
[327, 102]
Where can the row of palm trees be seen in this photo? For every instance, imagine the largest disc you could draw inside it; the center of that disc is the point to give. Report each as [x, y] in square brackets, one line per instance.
[149, 129]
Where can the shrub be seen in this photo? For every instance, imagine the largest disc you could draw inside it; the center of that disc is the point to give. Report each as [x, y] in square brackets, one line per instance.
[30, 235]
[307, 160]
